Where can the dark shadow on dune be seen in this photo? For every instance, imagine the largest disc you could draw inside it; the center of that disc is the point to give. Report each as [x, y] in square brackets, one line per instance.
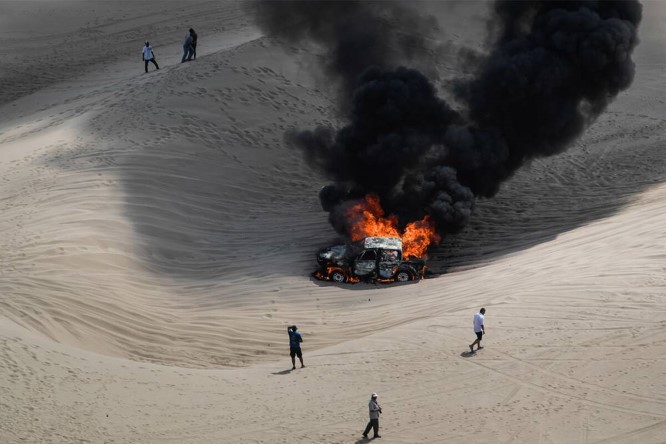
[467, 354]
[216, 197]
[283, 372]
[197, 218]
[41, 66]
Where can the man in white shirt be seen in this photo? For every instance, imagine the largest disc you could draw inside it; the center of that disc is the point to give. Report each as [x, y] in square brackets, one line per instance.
[149, 56]
[375, 410]
[479, 329]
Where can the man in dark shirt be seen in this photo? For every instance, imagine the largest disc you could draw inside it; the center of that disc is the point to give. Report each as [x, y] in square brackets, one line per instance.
[194, 44]
[187, 48]
[295, 340]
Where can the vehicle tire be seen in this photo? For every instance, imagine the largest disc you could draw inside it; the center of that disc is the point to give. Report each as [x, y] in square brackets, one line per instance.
[338, 276]
[403, 276]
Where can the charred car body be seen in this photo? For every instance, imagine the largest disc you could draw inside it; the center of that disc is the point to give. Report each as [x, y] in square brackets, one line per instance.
[371, 259]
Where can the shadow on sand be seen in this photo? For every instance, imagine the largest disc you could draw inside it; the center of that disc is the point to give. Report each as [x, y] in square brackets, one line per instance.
[553, 196]
[196, 218]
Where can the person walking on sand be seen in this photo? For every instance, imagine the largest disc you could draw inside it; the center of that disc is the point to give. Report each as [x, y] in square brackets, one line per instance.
[194, 44]
[479, 329]
[375, 410]
[187, 48]
[295, 340]
[149, 56]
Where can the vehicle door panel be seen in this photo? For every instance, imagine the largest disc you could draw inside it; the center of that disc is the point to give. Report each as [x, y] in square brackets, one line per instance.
[389, 260]
[366, 263]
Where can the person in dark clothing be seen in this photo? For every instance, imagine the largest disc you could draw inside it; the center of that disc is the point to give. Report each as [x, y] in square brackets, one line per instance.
[149, 56]
[373, 424]
[187, 48]
[193, 45]
[295, 340]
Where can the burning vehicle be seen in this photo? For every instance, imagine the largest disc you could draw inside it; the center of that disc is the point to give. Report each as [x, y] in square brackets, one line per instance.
[550, 70]
[371, 259]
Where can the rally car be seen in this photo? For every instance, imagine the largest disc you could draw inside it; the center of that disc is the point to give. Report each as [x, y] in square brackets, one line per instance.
[372, 259]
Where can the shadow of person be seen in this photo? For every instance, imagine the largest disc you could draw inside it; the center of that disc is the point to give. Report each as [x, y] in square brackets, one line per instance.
[362, 440]
[467, 354]
[283, 372]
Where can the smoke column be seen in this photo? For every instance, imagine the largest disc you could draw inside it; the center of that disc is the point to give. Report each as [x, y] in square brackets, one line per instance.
[354, 34]
[552, 68]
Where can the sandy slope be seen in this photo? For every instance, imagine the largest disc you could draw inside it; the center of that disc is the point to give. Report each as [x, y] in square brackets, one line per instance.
[156, 233]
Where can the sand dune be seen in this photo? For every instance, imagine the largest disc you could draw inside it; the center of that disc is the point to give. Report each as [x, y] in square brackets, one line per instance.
[157, 236]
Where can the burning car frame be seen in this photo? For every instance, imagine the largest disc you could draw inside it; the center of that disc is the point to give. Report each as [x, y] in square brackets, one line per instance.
[372, 259]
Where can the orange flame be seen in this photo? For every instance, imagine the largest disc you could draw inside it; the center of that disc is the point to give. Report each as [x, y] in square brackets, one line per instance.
[367, 219]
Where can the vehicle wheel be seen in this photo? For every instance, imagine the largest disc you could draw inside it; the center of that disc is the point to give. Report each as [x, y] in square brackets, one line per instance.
[403, 276]
[338, 276]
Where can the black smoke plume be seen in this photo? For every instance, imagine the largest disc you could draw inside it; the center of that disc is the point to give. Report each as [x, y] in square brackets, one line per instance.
[552, 68]
[354, 35]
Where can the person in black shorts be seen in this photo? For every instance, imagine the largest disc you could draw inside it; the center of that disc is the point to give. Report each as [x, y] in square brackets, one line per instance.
[295, 340]
[479, 329]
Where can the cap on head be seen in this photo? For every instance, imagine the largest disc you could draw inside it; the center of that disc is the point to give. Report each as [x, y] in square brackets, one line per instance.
[483, 310]
[147, 43]
[374, 395]
[293, 327]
